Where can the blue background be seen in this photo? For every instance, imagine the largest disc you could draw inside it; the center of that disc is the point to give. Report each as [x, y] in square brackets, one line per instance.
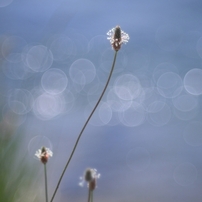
[145, 137]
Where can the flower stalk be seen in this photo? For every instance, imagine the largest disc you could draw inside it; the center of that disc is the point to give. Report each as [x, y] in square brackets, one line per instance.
[89, 195]
[46, 183]
[90, 176]
[80, 134]
[117, 37]
[43, 155]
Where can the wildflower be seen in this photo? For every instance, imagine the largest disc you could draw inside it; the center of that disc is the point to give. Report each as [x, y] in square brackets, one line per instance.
[117, 37]
[90, 176]
[44, 154]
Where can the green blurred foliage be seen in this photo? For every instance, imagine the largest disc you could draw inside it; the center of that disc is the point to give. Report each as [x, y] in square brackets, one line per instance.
[15, 171]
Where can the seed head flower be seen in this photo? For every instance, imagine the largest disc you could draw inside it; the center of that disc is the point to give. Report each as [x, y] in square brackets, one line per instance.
[44, 154]
[90, 176]
[117, 37]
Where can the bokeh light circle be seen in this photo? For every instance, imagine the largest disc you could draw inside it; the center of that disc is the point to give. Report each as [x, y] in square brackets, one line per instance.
[20, 101]
[82, 71]
[169, 85]
[185, 102]
[117, 104]
[151, 96]
[39, 58]
[193, 81]
[93, 91]
[37, 143]
[101, 116]
[155, 106]
[186, 115]
[127, 87]
[163, 68]
[12, 47]
[133, 116]
[54, 81]
[17, 70]
[185, 174]
[48, 106]
[105, 113]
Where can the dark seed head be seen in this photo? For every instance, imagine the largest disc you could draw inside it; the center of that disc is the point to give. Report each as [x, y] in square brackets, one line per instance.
[88, 175]
[43, 149]
[117, 33]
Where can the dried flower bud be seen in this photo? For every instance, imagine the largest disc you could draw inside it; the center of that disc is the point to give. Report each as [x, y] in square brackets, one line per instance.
[90, 176]
[44, 154]
[117, 37]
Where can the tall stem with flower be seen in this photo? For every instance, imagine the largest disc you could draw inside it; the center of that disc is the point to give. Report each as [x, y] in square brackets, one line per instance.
[43, 155]
[117, 37]
[90, 176]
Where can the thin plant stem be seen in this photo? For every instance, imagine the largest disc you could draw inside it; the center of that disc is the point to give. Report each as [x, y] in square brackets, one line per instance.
[86, 123]
[46, 184]
[89, 195]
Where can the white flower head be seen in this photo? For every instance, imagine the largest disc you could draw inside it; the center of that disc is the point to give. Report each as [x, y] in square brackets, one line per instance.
[90, 176]
[44, 154]
[117, 37]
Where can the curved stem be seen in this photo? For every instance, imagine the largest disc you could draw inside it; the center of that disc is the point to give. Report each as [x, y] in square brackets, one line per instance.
[77, 141]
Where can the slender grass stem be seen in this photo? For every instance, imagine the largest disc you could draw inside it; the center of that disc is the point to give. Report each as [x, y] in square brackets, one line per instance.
[91, 196]
[89, 192]
[86, 123]
[46, 184]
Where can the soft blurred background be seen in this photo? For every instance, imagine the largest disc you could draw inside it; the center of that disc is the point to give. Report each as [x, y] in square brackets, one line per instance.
[145, 138]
